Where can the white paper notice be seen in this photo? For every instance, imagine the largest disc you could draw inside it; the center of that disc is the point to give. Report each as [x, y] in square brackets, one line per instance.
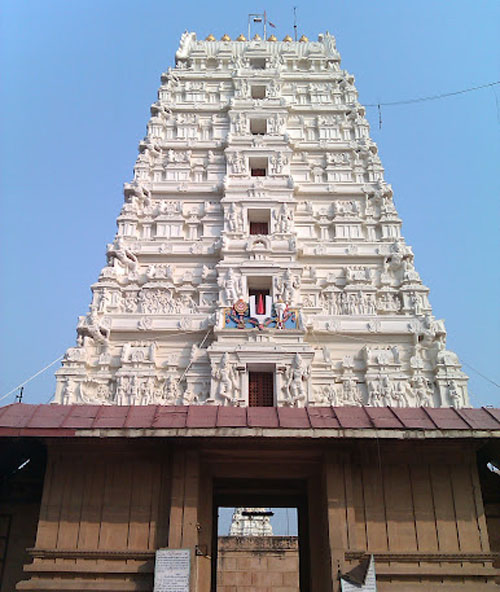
[172, 569]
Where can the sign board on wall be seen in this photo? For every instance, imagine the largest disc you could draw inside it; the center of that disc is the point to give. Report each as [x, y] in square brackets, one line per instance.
[172, 570]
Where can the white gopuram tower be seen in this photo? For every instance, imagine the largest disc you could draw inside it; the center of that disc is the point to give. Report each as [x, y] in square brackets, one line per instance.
[254, 522]
[259, 257]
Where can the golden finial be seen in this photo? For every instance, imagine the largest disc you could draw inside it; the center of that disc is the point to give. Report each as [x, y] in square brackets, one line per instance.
[225, 37]
[210, 37]
[241, 38]
[272, 38]
[287, 39]
[257, 37]
[303, 39]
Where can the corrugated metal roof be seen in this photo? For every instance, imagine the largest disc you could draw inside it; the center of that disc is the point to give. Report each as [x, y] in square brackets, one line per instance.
[21, 419]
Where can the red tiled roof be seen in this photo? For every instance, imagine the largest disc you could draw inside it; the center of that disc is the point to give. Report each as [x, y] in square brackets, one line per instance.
[21, 419]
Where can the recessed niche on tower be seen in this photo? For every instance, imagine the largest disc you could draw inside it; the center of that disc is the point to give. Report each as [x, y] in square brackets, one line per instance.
[259, 285]
[258, 91]
[259, 221]
[258, 63]
[258, 126]
[258, 166]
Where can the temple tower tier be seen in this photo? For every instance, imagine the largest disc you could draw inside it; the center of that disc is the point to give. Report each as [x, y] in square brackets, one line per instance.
[259, 259]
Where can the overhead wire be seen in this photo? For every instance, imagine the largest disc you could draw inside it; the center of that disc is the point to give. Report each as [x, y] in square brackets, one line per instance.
[31, 378]
[432, 97]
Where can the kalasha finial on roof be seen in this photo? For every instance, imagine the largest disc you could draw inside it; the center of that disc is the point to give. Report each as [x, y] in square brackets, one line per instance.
[287, 39]
[272, 38]
[210, 37]
[303, 39]
[225, 37]
[241, 38]
[257, 37]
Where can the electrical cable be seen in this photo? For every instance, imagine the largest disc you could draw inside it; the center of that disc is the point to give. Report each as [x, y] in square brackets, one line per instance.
[432, 97]
[480, 374]
[31, 378]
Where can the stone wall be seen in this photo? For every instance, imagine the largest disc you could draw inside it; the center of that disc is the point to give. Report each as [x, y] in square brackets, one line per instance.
[258, 564]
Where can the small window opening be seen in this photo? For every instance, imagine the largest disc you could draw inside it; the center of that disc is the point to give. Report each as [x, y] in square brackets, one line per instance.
[261, 283]
[259, 228]
[260, 389]
[258, 63]
[258, 92]
[258, 167]
[258, 127]
[258, 221]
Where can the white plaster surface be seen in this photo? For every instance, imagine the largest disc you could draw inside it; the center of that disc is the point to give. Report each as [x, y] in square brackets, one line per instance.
[183, 255]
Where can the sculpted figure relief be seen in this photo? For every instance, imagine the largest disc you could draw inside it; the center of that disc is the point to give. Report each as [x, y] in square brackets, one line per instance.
[358, 274]
[189, 397]
[277, 163]
[273, 89]
[283, 219]
[126, 390]
[69, 392]
[350, 392]
[170, 390]
[422, 392]
[97, 392]
[287, 286]
[409, 272]
[296, 377]
[380, 391]
[388, 302]
[227, 387]
[160, 272]
[346, 209]
[121, 257]
[329, 395]
[234, 219]
[242, 88]
[275, 124]
[456, 399]
[231, 288]
[237, 164]
[240, 124]
[94, 326]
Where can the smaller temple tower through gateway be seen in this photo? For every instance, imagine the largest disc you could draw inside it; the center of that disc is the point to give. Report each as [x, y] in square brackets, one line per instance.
[251, 522]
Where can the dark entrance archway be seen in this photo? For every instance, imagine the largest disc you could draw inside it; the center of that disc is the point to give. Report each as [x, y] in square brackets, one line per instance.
[276, 493]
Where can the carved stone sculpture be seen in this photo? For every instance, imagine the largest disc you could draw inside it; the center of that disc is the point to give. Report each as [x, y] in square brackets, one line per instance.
[296, 377]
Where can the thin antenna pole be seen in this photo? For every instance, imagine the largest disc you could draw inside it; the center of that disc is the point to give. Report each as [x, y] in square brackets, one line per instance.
[249, 17]
[295, 22]
[19, 397]
[265, 25]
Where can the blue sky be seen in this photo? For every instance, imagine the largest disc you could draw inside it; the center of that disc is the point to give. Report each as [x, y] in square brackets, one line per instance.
[78, 80]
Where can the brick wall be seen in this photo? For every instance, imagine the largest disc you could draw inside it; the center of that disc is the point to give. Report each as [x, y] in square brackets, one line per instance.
[258, 564]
